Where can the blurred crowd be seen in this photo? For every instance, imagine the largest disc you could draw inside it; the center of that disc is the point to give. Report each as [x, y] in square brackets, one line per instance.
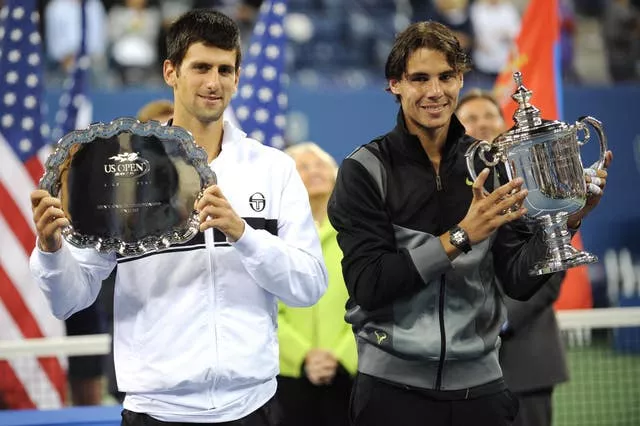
[337, 41]
[124, 38]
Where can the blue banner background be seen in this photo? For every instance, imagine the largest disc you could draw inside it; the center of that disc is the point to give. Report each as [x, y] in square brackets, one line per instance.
[341, 120]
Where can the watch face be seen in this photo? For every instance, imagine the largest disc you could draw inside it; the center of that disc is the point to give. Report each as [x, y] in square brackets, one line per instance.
[458, 237]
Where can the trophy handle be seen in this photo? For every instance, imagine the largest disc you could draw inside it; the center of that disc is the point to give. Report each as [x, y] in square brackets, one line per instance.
[596, 124]
[470, 156]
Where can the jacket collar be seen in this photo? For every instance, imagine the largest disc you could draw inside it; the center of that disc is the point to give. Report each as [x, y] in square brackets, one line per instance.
[410, 145]
[230, 132]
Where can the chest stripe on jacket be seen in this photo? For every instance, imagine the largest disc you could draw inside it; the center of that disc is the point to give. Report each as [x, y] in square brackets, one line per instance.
[220, 240]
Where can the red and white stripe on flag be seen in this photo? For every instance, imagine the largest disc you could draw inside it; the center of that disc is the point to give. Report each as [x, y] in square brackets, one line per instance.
[25, 382]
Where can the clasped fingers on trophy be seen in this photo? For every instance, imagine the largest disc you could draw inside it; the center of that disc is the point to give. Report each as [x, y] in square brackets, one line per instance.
[49, 219]
[215, 211]
[596, 180]
[489, 212]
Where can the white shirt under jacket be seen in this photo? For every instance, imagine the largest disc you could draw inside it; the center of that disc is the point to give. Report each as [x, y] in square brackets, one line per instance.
[196, 324]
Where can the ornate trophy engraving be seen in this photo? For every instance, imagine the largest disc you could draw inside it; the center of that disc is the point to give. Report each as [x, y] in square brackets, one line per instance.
[128, 187]
[546, 154]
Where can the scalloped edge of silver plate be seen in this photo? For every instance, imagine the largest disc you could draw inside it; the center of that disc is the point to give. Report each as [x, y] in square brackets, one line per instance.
[196, 156]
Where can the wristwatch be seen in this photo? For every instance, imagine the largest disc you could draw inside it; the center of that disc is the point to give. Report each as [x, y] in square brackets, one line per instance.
[459, 239]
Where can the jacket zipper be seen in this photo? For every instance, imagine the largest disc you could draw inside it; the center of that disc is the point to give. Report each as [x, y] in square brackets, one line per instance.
[212, 292]
[436, 171]
[443, 337]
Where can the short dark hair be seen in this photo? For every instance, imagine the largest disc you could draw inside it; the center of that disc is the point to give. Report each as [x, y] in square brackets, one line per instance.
[206, 26]
[478, 94]
[429, 34]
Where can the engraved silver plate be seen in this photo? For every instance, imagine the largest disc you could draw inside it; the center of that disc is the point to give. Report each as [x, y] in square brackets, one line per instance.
[128, 187]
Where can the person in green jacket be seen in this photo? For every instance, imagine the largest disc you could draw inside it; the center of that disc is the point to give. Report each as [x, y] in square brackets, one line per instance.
[317, 347]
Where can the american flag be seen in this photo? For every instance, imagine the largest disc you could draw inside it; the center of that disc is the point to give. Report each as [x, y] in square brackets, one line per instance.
[261, 101]
[25, 382]
[75, 106]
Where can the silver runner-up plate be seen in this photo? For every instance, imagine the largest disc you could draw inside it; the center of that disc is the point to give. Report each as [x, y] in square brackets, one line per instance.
[128, 187]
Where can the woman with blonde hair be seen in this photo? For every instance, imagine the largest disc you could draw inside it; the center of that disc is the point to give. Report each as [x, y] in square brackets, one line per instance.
[317, 347]
[160, 110]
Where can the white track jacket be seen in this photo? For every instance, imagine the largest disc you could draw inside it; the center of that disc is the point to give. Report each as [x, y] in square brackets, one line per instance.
[196, 324]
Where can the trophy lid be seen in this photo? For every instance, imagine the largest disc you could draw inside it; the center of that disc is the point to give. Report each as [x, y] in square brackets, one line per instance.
[527, 119]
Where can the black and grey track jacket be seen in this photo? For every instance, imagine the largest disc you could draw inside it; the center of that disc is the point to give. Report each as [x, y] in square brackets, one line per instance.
[420, 318]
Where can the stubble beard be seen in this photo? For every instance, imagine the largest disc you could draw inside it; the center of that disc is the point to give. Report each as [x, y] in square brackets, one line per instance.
[209, 117]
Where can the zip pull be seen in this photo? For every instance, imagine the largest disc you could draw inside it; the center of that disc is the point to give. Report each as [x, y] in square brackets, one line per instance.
[438, 183]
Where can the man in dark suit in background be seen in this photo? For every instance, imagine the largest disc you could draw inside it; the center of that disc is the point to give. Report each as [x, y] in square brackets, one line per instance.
[532, 357]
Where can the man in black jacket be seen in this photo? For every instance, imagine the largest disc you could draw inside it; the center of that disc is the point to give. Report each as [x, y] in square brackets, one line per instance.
[423, 247]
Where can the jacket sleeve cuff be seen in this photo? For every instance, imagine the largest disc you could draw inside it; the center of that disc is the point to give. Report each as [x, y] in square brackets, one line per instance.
[430, 259]
[247, 244]
[50, 261]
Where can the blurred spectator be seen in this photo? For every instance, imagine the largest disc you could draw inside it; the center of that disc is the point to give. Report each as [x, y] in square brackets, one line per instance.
[591, 8]
[244, 12]
[421, 10]
[567, 35]
[622, 40]
[496, 24]
[160, 110]
[248, 11]
[227, 7]
[170, 10]
[134, 28]
[480, 114]
[455, 15]
[371, 26]
[63, 35]
[317, 347]
[241, 10]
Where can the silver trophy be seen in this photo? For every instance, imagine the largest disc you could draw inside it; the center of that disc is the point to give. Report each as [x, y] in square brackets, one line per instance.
[128, 187]
[546, 154]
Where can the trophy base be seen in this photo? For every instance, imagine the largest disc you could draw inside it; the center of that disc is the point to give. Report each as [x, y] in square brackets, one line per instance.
[550, 266]
[561, 254]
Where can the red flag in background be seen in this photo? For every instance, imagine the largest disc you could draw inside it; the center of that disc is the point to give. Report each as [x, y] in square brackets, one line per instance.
[537, 55]
[575, 292]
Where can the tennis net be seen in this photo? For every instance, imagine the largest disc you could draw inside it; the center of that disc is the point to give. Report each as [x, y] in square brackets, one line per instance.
[603, 351]
[603, 354]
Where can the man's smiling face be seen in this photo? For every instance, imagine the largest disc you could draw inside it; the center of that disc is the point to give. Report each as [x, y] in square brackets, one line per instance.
[428, 90]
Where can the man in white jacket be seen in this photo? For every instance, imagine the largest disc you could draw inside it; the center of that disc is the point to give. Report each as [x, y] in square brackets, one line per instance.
[195, 325]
